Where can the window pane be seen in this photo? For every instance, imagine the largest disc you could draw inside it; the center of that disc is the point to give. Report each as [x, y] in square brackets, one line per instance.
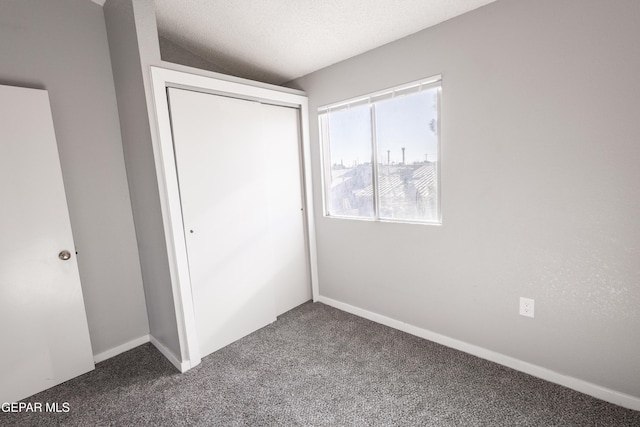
[349, 138]
[407, 147]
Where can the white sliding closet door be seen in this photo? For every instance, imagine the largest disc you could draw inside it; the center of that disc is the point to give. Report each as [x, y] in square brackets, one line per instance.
[234, 233]
[291, 279]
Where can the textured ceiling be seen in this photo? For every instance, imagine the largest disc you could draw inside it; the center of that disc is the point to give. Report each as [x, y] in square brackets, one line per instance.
[276, 41]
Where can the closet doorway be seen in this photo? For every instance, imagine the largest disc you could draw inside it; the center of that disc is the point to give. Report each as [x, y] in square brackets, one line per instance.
[239, 175]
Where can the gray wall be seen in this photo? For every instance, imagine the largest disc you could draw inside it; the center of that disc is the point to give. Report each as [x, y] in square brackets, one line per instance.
[62, 46]
[133, 43]
[171, 52]
[540, 188]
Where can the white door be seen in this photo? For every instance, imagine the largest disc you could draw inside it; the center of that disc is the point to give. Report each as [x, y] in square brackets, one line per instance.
[281, 135]
[235, 245]
[43, 325]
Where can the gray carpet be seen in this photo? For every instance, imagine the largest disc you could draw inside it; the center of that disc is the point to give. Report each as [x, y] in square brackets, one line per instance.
[318, 366]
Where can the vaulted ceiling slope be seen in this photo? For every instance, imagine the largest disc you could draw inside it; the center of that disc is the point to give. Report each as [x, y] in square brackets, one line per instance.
[276, 41]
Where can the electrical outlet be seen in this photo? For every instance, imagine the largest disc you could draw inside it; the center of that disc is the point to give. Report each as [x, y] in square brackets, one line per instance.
[527, 306]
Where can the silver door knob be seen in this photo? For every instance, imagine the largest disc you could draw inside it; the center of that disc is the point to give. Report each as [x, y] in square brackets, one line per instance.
[64, 255]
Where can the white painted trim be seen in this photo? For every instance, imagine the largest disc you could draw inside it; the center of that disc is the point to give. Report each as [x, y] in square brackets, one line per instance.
[308, 198]
[219, 76]
[423, 84]
[582, 386]
[172, 221]
[100, 357]
[99, 2]
[170, 196]
[181, 366]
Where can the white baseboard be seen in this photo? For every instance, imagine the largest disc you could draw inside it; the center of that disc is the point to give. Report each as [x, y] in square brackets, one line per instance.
[97, 358]
[181, 366]
[582, 386]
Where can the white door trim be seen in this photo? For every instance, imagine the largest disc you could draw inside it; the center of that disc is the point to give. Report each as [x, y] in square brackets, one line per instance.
[170, 197]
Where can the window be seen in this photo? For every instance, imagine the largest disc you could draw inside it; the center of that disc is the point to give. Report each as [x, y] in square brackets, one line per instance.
[381, 155]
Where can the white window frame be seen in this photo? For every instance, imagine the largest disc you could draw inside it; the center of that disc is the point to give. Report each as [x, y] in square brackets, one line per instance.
[434, 82]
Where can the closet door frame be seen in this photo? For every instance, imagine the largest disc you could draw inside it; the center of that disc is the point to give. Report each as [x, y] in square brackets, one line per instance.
[166, 171]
